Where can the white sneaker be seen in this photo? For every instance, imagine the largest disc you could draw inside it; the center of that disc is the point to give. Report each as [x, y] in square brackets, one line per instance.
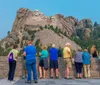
[12, 82]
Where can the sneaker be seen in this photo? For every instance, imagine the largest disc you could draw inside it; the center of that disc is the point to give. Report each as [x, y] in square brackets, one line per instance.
[12, 82]
[57, 77]
[65, 77]
[69, 78]
[23, 77]
[8, 79]
[35, 81]
[29, 82]
[80, 77]
[51, 77]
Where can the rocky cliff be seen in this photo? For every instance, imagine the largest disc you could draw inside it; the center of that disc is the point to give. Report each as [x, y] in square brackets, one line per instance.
[35, 25]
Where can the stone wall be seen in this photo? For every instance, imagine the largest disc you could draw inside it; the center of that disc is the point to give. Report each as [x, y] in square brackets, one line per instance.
[4, 67]
[95, 68]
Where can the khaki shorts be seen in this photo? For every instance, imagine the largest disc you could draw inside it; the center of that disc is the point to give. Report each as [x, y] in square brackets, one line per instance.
[24, 65]
[68, 62]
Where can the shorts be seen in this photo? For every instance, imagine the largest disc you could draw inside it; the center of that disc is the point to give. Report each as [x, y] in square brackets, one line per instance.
[24, 64]
[78, 67]
[68, 62]
[54, 64]
[44, 63]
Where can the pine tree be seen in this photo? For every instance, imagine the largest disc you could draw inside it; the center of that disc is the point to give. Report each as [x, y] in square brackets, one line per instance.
[96, 24]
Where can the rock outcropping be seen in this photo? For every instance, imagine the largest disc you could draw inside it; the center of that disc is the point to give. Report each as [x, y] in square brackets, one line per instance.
[27, 22]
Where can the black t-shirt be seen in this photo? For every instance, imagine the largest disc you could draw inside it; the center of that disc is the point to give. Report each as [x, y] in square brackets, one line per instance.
[94, 54]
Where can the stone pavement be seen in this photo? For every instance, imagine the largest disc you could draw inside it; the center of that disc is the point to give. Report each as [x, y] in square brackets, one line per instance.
[53, 82]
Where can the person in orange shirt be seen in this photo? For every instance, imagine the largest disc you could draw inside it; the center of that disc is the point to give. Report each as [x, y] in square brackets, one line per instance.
[94, 52]
[67, 55]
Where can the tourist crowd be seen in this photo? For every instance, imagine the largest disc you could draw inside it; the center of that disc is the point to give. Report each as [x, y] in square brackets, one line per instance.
[82, 60]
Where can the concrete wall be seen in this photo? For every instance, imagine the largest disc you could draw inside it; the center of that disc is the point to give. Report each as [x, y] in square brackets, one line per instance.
[95, 68]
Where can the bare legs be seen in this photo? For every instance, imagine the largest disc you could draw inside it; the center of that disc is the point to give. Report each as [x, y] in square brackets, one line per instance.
[52, 72]
[40, 71]
[43, 72]
[67, 72]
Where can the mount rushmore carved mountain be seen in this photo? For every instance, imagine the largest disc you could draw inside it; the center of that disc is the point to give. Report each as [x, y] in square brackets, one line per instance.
[42, 29]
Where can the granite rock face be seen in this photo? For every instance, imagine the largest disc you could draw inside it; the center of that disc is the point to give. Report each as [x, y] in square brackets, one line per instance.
[27, 20]
[27, 26]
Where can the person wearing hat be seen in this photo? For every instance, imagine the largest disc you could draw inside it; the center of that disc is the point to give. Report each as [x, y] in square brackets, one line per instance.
[78, 63]
[86, 63]
[67, 55]
[54, 61]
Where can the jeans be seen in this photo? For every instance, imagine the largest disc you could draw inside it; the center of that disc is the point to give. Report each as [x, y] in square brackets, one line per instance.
[86, 71]
[31, 66]
[12, 66]
[78, 67]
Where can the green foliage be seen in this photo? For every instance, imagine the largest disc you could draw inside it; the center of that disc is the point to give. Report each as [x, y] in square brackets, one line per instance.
[24, 38]
[96, 24]
[20, 53]
[32, 36]
[21, 45]
[41, 27]
[8, 33]
[6, 45]
[60, 52]
[65, 33]
[73, 53]
[17, 41]
[38, 47]
[55, 29]
[46, 26]
[25, 43]
[4, 52]
[94, 38]
[80, 33]
[1, 51]
[37, 42]
[87, 24]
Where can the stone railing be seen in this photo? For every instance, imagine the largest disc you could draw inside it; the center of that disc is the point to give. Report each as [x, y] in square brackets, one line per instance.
[95, 68]
[4, 67]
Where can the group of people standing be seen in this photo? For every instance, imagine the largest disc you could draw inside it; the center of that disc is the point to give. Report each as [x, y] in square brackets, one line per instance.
[43, 63]
[81, 60]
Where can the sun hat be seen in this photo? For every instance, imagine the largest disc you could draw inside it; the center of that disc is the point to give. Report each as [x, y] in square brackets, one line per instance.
[67, 44]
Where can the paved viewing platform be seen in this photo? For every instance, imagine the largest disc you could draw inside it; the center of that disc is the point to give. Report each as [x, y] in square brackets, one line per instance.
[53, 82]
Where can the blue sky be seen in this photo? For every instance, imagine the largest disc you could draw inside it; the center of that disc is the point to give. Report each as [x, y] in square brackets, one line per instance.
[77, 8]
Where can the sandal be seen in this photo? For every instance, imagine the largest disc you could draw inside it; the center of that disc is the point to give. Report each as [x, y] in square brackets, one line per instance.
[29, 82]
[51, 77]
[57, 77]
[40, 77]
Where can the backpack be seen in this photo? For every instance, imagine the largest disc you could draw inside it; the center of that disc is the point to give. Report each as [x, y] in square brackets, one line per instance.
[60, 53]
[10, 58]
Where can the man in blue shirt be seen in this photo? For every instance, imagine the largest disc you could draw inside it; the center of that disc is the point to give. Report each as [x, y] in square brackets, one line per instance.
[30, 53]
[54, 61]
